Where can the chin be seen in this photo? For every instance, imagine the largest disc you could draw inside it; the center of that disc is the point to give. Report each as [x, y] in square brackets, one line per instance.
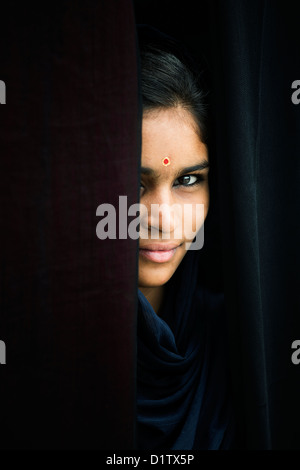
[156, 275]
[153, 283]
[156, 280]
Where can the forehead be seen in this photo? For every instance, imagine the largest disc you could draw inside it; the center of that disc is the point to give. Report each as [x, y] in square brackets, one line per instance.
[171, 133]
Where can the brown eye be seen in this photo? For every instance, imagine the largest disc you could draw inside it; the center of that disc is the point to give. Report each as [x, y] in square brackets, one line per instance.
[189, 180]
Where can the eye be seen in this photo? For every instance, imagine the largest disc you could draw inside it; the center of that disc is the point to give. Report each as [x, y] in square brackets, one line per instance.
[190, 180]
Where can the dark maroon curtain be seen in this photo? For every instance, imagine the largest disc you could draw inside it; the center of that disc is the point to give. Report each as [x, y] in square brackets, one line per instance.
[69, 143]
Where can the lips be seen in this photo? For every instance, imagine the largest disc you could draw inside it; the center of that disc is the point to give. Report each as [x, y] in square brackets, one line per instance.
[159, 252]
[160, 246]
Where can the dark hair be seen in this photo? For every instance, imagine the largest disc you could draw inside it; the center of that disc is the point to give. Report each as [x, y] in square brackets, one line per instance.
[170, 77]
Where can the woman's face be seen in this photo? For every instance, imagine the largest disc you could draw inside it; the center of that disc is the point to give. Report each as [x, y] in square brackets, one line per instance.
[170, 133]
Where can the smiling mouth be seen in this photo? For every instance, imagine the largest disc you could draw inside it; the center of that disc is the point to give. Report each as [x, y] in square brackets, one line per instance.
[159, 253]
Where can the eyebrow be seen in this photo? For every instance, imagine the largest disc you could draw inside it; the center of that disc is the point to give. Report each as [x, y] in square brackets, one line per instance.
[201, 166]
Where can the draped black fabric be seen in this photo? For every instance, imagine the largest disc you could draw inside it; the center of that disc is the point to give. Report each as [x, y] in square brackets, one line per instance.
[256, 59]
[183, 389]
[253, 57]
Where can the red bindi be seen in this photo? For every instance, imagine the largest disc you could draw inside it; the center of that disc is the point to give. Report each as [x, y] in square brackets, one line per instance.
[166, 161]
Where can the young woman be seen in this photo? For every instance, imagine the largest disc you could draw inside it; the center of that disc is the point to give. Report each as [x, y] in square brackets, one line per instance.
[183, 399]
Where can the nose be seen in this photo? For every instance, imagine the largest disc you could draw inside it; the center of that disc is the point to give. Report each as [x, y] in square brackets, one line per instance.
[161, 216]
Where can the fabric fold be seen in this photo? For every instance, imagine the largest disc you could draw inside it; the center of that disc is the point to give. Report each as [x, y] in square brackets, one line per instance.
[183, 399]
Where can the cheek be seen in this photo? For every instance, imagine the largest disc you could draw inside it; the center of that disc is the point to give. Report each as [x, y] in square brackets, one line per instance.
[194, 214]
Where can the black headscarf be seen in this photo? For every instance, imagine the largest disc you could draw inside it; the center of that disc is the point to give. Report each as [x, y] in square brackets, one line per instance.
[183, 399]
